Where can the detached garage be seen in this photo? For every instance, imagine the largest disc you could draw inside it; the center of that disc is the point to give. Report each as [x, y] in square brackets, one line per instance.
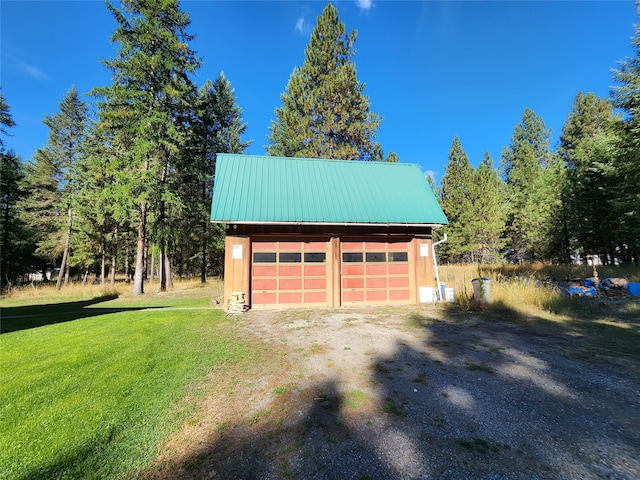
[314, 232]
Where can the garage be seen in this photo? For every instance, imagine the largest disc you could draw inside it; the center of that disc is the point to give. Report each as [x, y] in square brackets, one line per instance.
[305, 232]
[375, 273]
[289, 273]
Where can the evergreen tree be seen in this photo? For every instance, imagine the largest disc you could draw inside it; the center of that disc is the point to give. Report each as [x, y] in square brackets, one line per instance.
[219, 129]
[626, 96]
[6, 120]
[392, 158]
[529, 190]
[40, 207]
[588, 151]
[455, 197]
[149, 107]
[324, 111]
[10, 174]
[487, 198]
[67, 130]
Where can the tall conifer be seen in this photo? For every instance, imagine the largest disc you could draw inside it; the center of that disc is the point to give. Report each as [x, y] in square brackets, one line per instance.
[149, 108]
[324, 111]
[529, 191]
[455, 197]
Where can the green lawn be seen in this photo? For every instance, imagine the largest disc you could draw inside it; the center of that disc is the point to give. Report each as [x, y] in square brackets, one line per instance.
[90, 388]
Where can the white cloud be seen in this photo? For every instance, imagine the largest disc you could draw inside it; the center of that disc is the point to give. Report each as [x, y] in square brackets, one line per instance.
[364, 4]
[300, 25]
[432, 174]
[33, 71]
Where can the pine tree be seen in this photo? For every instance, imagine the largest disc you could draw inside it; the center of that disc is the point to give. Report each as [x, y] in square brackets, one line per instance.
[16, 240]
[10, 176]
[626, 96]
[40, 207]
[67, 130]
[324, 111]
[455, 198]
[588, 151]
[530, 195]
[489, 214]
[149, 107]
[219, 129]
[6, 120]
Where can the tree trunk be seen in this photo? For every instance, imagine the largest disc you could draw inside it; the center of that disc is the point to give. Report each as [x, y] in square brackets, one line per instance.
[152, 273]
[103, 266]
[163, 266]
[138, 276]
[114, 256]
[167, 268]
[127, 265]
[205, 228]
[65, 255]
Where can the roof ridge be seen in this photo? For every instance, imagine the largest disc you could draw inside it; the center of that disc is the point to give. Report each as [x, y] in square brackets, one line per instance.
[316, 159]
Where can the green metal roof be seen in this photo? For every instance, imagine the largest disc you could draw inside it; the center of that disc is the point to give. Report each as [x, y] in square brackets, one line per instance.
[259, 189]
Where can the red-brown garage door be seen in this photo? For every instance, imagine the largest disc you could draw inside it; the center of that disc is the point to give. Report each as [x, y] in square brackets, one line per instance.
[375, 272]
[287, 273]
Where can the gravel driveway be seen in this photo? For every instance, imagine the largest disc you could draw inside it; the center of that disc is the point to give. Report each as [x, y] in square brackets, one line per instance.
[416, 393]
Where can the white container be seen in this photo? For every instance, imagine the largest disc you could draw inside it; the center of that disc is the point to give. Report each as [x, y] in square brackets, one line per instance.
[448, 294]
[426, 294]
[481, 289]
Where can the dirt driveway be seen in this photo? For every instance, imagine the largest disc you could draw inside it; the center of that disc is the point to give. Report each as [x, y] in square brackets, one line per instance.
[415, 393]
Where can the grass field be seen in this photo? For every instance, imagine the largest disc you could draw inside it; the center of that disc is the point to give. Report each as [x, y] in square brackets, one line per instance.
[94, 379]
[91, 385]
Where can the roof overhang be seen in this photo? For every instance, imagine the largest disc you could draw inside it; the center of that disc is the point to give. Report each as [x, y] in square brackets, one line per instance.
[325, 224]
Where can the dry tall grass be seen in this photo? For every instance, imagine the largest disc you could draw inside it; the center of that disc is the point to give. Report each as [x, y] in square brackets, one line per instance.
[523, 287]
[45, 293]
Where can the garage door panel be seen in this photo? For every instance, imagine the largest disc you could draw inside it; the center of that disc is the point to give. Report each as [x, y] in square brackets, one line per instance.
[353, 282]
[399, 295]
[352, 269]
[375, 272]
[315, 297]
[264, 246]
[264, 298]
[297, 246]
[376, 282]
[291, 284]
[264, 270]
[291, 273]
[376, 269]
[290, 297]
[315, 283]
[315, 270]
[357, 296]
[398, 281]
[376, 295]
[265, 284]
[398, 269]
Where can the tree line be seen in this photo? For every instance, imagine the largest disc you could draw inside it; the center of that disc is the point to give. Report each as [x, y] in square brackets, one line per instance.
[577, 202]
[124, 182]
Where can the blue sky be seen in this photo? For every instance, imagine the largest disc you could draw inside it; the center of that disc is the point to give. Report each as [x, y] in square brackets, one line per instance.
[433, 69]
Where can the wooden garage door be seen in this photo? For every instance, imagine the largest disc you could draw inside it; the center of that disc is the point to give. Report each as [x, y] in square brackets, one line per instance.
[289, 274]
[375, 272]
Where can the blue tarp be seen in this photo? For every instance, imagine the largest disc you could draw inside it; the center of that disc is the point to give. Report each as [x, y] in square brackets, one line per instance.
[585, 291]
[634, 288]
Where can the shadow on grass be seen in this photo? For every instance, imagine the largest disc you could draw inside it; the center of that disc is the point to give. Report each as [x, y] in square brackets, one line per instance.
[32, 316]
